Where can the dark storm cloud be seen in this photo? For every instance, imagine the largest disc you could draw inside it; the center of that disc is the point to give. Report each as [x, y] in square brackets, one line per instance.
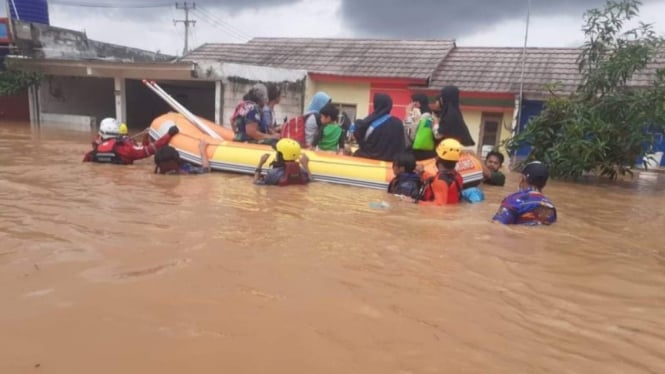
[449, 18]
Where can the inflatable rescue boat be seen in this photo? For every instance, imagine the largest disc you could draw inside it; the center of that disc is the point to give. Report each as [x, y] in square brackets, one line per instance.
[226, 155]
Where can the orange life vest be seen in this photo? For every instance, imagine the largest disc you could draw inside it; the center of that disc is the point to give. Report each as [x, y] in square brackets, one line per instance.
[293, 174]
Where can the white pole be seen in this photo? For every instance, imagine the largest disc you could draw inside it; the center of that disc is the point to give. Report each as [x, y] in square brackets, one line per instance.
[526, 38]
[181, 109]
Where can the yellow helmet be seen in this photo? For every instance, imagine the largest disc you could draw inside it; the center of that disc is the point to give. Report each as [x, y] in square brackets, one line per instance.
[449, 150]
[123, 129]
[289, 148]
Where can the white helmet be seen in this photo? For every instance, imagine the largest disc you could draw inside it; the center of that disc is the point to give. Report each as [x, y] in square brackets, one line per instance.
[109, 128]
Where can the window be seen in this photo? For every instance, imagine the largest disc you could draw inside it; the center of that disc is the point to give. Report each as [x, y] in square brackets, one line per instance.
[490, 132]
[349, 109]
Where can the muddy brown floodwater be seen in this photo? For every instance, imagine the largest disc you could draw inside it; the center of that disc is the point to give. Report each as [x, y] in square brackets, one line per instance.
[111, 269]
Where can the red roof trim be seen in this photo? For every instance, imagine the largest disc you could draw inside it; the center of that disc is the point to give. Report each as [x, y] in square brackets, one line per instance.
[362, 79]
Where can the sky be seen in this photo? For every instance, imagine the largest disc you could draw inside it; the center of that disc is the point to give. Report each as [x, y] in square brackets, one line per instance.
[148, 24]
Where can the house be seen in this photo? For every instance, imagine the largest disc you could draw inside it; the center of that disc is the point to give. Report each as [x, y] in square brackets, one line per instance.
[489, 81]
[349, 70]
[87, 80]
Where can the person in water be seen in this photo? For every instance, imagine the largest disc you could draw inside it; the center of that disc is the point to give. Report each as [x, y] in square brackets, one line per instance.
[330, 136]
[247, 118]
[285, 170]
[112, 147]
[380, 136]
[446, 186]
[492, 174]
[168, 161]
[268, 119]
[451, 122]
[312, 116]
[422, 142]
[528, 206]
[406, 181]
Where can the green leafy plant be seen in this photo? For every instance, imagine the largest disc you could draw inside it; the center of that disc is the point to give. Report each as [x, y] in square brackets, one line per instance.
[601, 127]
[13, 81]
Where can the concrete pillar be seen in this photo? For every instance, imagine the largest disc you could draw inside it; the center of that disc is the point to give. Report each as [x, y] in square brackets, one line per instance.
[120, 93]
[219, 99]
[33, 104]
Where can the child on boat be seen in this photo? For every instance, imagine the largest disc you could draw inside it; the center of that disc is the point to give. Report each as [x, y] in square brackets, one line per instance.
[446, 186]
[528, 206]
[330, 136]
[492, 174]
[285, 170]
[168, 161]
[406, 181]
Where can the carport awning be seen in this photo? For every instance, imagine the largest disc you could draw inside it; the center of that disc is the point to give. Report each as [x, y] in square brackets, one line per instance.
[106, 69]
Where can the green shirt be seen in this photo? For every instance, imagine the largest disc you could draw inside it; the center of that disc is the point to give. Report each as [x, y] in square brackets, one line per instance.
[497, 178]
[330, 139]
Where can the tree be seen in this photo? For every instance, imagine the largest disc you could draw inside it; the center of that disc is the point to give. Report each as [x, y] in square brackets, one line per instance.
[602, 126]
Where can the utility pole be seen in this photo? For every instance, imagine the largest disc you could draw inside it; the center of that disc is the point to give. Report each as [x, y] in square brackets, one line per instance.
[186, 7]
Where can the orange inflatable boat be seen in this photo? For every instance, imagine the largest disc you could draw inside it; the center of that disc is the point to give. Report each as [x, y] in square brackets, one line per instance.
[227, 155]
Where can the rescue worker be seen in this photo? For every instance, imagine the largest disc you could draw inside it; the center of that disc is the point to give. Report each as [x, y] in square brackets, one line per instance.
[112, 147]
[528, 206]
[286, 169]
[446, 186]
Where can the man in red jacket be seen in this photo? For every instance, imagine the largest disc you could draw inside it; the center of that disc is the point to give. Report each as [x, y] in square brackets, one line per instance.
[114, 148]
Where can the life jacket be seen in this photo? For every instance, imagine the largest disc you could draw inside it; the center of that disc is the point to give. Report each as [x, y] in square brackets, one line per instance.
[105, 151]
[292, 174]
[452, 184]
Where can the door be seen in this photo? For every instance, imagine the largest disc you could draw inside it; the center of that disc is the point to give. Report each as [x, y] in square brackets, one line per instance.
[490, 132]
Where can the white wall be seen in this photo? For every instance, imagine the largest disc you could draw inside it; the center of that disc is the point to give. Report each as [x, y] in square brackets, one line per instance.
[82, 96]
[290, 104]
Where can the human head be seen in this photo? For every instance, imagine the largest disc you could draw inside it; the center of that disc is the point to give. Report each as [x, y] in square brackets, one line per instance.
[167, 160]
[319, 100]
[109, 128]
[258, 94]
[288, 149]
[449, 97]
[274, 93]
[535, 174]
[404, 162]
[383, 103]
[448, 153]
[423, 102]
[494, 160]
[329, 114]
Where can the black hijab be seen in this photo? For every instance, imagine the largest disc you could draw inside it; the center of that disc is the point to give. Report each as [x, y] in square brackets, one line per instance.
[383, 104]
[451, 124]
[423, 100]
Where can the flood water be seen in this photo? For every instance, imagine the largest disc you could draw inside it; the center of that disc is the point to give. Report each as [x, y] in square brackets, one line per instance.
[112, 269]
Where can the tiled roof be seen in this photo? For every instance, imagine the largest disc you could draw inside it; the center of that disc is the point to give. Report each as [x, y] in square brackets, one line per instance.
[348, 57]
[484, 69]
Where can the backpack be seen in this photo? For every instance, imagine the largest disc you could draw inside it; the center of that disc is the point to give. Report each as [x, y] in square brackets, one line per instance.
[294, 128]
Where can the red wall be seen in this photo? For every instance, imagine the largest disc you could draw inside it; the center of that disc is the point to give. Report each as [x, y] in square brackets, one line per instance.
[400, 94]
[15, 107]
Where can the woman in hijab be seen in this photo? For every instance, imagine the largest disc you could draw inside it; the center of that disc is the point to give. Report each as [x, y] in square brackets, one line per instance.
[312, 117]
[380, 136]
[451, 122]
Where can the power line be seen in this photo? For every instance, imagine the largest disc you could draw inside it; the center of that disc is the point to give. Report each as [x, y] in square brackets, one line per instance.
[230, 28]
[186, 7]
[110, 5]
[222, 27]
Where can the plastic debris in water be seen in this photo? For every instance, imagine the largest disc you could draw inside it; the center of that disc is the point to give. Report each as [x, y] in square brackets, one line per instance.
[379, 205]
